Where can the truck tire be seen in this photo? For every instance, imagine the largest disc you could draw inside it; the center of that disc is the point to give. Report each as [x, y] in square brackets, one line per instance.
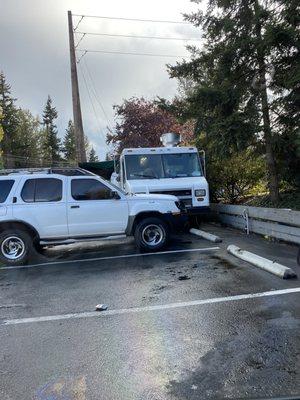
[15, 246]
[151, 234]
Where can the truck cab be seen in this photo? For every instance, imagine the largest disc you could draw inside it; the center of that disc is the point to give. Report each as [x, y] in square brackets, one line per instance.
[175, 171]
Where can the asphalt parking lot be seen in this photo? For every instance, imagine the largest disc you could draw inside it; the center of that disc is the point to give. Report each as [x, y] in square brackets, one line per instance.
[189, 323]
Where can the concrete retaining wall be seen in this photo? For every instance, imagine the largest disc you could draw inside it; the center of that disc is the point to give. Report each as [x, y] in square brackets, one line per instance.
[275, 222]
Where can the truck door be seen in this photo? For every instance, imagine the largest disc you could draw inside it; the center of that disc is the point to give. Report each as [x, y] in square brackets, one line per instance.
[92, 211]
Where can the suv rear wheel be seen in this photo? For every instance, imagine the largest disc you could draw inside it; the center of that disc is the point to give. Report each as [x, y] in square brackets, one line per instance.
[15, 247]
[151, 234]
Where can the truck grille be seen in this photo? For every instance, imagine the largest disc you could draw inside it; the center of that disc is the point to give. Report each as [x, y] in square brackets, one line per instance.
[177, 193]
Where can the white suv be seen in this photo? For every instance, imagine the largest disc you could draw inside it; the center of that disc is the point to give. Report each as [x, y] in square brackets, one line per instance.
[60, 206]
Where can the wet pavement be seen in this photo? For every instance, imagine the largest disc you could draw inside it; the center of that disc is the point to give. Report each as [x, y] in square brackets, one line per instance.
[245, 348]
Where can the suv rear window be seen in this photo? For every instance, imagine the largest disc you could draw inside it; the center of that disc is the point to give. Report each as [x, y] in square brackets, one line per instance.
[5, 188]
[42, 190]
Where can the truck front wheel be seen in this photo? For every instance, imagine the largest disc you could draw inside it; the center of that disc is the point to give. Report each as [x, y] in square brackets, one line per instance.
[151, 234]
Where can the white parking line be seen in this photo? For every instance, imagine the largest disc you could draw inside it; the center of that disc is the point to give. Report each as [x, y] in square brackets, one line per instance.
[95, 314]
[111, 258]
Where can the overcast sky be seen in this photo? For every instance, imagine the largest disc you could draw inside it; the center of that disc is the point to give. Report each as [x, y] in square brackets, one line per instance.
[34, 55]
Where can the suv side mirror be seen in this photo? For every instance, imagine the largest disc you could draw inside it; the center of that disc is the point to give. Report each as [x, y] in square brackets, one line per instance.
[114, 195]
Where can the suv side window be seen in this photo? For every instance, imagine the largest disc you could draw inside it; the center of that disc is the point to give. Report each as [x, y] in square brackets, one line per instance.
[89, 189]
[5, 188]
[42, 190]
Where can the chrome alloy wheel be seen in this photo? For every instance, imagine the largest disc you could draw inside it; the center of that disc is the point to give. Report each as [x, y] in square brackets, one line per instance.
[12, 247]
[152, 235]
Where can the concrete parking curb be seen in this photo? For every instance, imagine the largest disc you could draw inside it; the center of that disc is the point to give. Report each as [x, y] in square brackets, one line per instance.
[268, 265]
[206, 235]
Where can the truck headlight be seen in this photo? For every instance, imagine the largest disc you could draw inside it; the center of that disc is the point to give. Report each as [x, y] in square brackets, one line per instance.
[200, 193]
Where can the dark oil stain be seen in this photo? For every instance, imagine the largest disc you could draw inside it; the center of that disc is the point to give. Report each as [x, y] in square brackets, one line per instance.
[183, 277]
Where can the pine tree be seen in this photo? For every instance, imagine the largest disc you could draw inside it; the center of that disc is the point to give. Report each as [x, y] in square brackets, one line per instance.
[235, 95]
[51, 145]
[28, 142]
[9, 122]
[1, 138]
[93, 156]
[69, 145]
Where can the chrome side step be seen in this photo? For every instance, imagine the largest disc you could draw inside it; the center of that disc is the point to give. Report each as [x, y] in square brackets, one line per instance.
[79, 240]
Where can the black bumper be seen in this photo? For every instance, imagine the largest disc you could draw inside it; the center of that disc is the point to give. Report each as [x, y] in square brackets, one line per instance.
[177, 222]
[198, 210]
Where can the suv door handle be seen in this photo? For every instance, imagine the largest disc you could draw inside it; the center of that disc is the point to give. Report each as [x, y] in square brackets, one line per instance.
[75, 206]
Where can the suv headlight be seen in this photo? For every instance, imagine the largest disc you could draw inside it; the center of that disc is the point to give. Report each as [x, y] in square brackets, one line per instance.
[200, 193]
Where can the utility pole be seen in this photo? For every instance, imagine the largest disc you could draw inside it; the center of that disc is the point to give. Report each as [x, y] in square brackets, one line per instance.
[79, 134]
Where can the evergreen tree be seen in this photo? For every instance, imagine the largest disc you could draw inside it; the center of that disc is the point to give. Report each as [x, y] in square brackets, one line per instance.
[236, 94]
[1, 138]
[69, 145]
[51, 145]
[93, 156]
[28, 140]
[9, 122]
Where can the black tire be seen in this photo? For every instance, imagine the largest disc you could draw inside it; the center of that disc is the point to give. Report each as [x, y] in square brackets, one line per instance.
[151, 226]
[12, 242]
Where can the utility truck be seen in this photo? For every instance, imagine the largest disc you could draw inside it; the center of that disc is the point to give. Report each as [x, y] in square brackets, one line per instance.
[170, 170]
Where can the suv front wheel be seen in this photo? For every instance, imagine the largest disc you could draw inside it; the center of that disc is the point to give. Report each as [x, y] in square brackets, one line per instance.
[151, 234]
[15, 247]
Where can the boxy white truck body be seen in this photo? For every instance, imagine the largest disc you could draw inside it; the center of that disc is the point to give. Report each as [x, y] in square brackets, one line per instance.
[165, 170]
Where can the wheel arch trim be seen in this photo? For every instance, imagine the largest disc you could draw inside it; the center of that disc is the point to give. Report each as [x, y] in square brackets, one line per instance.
[134, 219]
[7, 225]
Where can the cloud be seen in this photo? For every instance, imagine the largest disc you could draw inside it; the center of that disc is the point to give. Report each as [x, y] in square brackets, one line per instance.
[35, 56]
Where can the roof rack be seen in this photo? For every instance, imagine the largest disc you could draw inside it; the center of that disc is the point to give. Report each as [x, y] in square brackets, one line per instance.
[67, 171]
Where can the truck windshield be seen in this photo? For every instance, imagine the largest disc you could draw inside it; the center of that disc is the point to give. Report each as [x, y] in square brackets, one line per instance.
[158, 166]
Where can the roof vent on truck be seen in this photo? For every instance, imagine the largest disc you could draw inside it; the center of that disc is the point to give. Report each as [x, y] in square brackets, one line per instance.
[170, 139]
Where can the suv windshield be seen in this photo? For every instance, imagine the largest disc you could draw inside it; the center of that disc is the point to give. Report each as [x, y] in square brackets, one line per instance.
[158, 166]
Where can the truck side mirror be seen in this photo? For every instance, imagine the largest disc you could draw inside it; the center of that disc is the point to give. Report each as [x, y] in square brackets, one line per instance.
[203, 161]
[115, 177]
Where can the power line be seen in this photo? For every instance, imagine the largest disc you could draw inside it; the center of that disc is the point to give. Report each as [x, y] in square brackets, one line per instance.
[130, 54]
[83, 35]
[81, 57]
[133, 36]
[97, 97]
[78, 23]
[130, 19]
[91, 100]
